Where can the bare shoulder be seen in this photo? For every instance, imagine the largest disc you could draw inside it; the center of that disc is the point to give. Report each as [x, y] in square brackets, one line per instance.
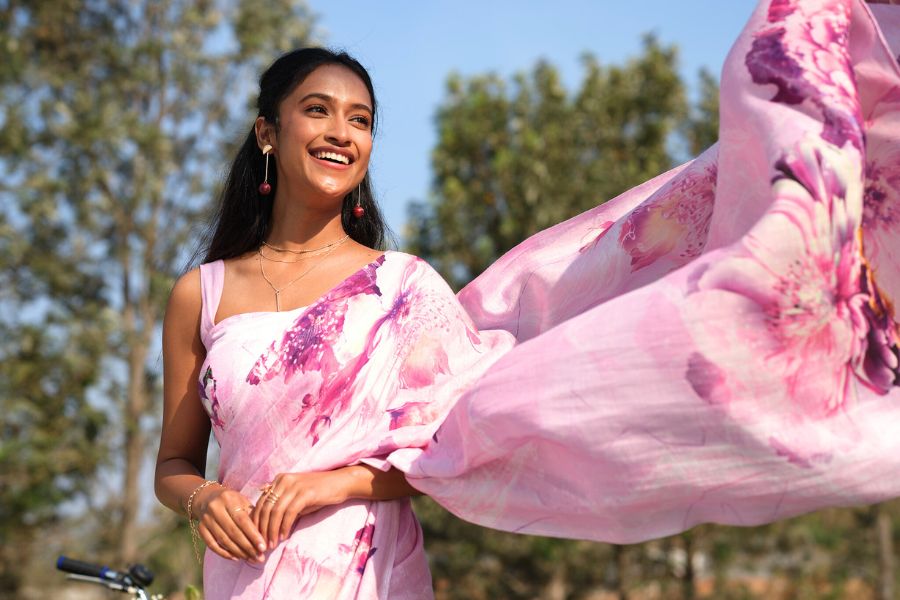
[186, 295]
[182, 318]
[362, 255]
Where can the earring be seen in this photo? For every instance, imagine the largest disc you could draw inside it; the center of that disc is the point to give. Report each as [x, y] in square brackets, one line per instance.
[264, 188]
[358, 211]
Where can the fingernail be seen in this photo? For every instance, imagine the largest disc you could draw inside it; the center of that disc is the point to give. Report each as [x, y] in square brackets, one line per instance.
[261, 547]
[261, 558]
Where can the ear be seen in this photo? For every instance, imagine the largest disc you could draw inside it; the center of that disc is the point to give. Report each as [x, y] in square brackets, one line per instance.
[265, 133]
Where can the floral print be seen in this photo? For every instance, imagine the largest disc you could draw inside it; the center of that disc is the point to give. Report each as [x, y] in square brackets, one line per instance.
[719, 344]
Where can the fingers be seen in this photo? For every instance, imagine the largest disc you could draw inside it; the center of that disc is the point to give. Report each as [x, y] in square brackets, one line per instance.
[268, 512]
[276, 512]
[211, 535]
[290, 516]
[250, 532]
[231, 529]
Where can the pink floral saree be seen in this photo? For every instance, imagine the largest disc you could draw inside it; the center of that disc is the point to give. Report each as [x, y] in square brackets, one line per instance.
[719, 344]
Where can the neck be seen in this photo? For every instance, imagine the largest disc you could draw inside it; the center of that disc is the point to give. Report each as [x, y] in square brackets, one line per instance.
[300, 225]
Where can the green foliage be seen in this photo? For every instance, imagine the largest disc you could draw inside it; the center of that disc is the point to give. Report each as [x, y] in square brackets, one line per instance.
[701, 129]
[114, 115]
[514, 158]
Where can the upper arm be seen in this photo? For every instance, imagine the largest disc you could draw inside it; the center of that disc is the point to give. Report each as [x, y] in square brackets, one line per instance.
[185, 425]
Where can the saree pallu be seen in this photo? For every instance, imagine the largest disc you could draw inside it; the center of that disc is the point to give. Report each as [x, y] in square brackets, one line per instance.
[719, 344]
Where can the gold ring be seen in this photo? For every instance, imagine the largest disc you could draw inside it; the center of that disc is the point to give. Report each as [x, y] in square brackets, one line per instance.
[238, 509]
[273, 499]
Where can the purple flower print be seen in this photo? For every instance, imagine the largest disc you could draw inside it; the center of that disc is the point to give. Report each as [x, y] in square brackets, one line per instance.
[206, 388]
[803, 53]
[675, 222]
[412, 413]
[361, 546]
[807, 297]
[308, 344]
[881, 200]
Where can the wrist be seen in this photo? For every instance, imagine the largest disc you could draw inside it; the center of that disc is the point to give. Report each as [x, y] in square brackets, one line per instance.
[198, 497]
[352, 484]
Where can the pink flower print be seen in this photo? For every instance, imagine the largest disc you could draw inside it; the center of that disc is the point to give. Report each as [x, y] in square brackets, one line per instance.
[413, 413]
[798, 305]
[206, 388]
[674, 222]
[361, 546]
[604, 229]
[308, 345]
[804, 53]
[425, 361]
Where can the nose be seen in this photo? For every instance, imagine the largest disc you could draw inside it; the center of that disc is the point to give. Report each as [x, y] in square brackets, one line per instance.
[338, 132]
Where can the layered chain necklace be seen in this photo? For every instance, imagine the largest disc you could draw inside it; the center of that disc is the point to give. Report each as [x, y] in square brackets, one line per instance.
[322, 251]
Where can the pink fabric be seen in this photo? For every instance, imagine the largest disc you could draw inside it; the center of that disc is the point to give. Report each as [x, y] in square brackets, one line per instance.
[370, 367]
[718, 344]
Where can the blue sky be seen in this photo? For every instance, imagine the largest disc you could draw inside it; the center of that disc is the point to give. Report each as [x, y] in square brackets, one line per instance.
[410, 47]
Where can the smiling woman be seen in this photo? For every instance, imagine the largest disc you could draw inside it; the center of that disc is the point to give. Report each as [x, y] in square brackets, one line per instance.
[718, 344]
[292, 283]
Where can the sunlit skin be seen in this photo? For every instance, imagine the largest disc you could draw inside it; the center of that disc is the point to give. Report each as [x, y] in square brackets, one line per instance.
[330, 111]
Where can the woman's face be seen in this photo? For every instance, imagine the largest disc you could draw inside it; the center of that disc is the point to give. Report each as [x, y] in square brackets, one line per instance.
[324, 141]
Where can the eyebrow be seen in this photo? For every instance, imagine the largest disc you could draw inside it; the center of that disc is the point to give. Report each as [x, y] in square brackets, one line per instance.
[328, 98]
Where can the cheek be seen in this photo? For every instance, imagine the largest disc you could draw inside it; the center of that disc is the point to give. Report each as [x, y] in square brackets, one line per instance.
[365, 149]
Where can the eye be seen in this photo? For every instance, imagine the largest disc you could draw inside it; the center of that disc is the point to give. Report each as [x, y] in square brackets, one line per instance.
[364, 121]
[316, 108]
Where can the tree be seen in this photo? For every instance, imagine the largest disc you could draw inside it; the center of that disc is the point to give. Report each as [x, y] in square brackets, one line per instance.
[115, 118]
[514, 158]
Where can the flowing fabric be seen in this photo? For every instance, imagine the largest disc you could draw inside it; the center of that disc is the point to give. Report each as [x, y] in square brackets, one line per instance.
[719, 344]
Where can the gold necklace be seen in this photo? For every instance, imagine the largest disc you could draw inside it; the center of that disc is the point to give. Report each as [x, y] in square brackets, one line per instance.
[296, 279]
[311, 251]
[299, 259]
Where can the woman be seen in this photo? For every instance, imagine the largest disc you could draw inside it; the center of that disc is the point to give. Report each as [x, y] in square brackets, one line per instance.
[312, 350]
[718, 344]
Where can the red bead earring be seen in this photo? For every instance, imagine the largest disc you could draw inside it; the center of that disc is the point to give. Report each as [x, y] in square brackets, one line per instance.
[264, 188]
[358, 210]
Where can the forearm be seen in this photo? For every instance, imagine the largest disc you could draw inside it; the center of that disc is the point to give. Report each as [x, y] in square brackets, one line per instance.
[363, 482]
[175, 481]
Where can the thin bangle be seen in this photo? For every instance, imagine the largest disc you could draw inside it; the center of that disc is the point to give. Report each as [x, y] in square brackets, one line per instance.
[195, 533]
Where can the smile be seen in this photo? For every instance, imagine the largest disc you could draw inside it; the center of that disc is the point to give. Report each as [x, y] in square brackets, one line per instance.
[334, 157]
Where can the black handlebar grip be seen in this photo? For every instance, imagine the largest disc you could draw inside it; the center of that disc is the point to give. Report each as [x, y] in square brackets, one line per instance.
[78, 567]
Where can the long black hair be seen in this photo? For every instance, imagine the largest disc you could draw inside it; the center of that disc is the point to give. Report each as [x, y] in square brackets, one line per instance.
[244, 216]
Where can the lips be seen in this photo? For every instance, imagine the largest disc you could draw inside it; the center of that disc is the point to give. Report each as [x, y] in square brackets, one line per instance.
[332, 157]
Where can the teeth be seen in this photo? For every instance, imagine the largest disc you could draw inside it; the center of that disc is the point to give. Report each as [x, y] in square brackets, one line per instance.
[333, 156]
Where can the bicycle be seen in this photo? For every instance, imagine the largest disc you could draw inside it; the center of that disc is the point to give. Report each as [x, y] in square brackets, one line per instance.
[134, 581]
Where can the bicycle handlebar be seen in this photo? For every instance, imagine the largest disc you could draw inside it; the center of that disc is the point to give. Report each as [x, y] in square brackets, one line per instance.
[70, 565]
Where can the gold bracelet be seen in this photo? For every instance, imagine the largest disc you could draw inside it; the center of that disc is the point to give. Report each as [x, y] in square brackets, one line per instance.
[195, 533]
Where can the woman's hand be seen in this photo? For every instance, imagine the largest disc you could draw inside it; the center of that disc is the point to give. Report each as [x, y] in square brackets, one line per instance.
[293, 495]
[226, 526]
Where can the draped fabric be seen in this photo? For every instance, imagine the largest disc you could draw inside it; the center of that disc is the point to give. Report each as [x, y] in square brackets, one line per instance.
[370, 367]
[721, 343]
[718, 344]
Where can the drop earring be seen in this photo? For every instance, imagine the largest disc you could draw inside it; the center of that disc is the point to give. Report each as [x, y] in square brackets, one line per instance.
[358, 210]
[264, 188]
